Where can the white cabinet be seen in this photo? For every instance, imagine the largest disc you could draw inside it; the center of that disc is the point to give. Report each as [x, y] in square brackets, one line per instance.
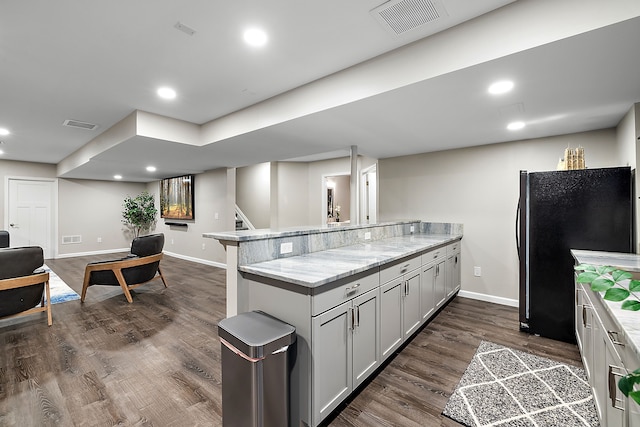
[432, 282]
[452, 277]
[605, 359]
[399, 303]
[346, 349]
[391, 332]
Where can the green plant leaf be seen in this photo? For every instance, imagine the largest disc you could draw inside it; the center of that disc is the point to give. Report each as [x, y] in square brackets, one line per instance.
[634, 285]
[585, 267]
[616, 294]
[625, 384]
[602, 284]
[631, 305]
[635, 395]
[604, 269]
[587, 277]
[619, 275]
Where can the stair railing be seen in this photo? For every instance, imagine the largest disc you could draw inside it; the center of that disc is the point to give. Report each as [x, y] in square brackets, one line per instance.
[241, 216]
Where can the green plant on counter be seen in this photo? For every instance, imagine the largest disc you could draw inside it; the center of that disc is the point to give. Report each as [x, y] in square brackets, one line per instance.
[611, 281]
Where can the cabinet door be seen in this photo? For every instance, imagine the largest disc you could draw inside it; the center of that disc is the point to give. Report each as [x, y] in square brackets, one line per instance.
[439, 286]
[427, 292]
[390, 317]
[456, 272]
[411, 317]
[332, 353]
[365, 334]
[595, 361]
[615, 399]
[450, 275]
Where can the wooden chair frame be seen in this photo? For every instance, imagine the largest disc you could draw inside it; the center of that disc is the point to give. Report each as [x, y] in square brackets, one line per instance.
[34, 279]
[117, 267]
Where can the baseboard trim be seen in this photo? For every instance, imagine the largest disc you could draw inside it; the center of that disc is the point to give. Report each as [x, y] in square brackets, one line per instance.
[107, 251]
[175, 255]
[198, 260]
[489, 298]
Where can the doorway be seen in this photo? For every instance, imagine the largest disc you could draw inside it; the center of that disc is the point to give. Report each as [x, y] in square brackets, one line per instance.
[29, 215]
[369, 191]
[337, 199]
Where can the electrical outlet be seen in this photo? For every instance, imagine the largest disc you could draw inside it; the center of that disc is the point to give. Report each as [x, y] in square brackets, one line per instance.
[203, 246]
[172, 241]
[412, 229]
[286, 248]
[477, 271]
[99, 239]
[367, 235]
[216, 215]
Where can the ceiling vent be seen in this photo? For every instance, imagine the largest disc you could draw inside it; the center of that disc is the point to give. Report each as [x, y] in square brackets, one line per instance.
[401, 16]
[78, 124]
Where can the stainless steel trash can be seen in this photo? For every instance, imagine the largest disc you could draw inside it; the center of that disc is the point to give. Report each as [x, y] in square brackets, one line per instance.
[255, 370]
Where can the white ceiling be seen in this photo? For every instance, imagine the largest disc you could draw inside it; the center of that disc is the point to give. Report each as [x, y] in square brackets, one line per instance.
[99, 62]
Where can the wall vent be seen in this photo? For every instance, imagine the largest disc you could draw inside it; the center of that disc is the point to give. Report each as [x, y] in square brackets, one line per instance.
[401, 16]
[78, 124]
[66, 240]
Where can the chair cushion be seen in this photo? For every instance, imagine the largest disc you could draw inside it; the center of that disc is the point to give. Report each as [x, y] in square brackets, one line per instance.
[18, 262]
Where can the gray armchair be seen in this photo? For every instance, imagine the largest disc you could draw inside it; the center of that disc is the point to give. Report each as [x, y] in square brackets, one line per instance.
[22, 288]
[141, 266]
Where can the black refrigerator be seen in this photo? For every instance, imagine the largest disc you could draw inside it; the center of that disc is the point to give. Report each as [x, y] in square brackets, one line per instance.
[558, 211]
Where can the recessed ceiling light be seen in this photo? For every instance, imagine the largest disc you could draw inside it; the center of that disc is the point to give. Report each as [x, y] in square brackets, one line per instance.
[117, 176]
[166, 93]
[1, 152]
[255, 37]
[503, 86]
[4, 131]
[151, 168]
[515, 125]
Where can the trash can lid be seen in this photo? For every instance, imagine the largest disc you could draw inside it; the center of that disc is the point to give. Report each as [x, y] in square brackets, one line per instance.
[256, 334]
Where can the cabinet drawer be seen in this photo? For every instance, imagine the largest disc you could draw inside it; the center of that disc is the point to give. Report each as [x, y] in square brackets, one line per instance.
[324, 301]
[433, 255]
[400, 268]
[453, 248]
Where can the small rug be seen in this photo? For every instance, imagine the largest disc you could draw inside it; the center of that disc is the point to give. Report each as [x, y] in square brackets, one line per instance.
[506, 387]
[60, 291]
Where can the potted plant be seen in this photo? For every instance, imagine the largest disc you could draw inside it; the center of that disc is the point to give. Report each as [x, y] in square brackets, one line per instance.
[139, 213]
[615, 285]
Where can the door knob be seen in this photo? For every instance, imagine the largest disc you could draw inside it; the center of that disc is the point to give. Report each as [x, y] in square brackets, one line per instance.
[12, 225]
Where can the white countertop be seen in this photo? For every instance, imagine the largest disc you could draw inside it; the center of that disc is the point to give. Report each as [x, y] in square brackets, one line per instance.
[627, 321]
[318, 268]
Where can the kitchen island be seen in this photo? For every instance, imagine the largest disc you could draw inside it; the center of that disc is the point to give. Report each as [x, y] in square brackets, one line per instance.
[355, 294]
[609, 340]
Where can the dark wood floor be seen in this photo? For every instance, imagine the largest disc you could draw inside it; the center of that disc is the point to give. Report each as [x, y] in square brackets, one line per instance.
[156, 362]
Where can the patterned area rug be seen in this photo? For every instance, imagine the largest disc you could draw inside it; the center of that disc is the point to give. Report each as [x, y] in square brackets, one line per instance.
[60, 291]
[505, 387]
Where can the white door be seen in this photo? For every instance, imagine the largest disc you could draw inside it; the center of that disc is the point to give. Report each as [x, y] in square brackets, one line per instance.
[30, 219]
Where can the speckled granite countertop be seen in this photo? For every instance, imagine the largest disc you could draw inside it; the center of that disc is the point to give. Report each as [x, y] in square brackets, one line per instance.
[628, 321]
[315, 269]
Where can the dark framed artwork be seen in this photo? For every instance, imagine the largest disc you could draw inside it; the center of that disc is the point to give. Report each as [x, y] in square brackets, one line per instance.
[177, 198]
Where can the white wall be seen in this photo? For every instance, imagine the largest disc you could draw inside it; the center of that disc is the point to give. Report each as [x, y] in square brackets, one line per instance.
[627, 134]
[93, 210]
[292, 193]
[253, 193]
[210, 199]
[478, 187]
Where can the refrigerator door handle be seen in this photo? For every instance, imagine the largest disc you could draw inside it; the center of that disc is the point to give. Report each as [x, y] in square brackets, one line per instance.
[518, 228]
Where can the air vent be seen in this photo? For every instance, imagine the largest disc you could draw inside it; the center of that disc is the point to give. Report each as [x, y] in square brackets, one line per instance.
[79, 124]
[66, 240]
[401, 16]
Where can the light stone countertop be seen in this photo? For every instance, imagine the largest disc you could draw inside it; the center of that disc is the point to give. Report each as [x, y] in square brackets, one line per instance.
[627, 321]
[315, 269]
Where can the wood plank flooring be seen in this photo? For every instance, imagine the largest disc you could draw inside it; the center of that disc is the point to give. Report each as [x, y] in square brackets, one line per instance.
[156, 362]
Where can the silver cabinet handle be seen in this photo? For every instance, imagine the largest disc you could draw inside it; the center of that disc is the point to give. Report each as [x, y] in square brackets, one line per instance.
[350, 320]
[357, 315]
[353, 288]
[613, 336]
[613, 389]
